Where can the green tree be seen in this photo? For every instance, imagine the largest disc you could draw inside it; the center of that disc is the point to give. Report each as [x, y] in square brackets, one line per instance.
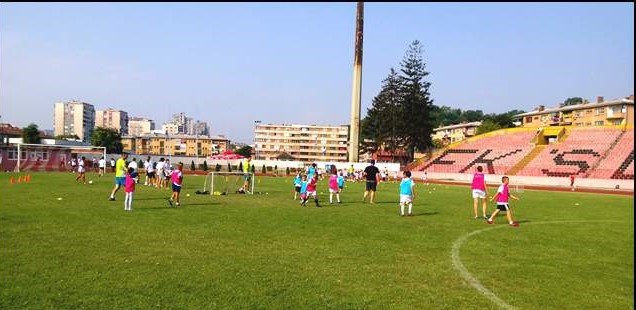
[65, 137]
[572, 101]
[192, 166]
[240, 166]
[469, 116]
[245, 150]
[229, 167]
[31, 134]
[205, 166]
[264, 170]
[487, 126]
[285, 156]
[287, 171]
[107, 137]
[217, 168]
[415, 120]
[445, 116]
[253, 169]
[381, 125]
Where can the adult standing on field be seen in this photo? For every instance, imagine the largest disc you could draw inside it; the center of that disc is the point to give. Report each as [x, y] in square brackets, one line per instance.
[120, 175]
[372, 173]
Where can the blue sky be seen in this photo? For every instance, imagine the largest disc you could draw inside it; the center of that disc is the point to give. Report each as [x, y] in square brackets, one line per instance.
[233, 63]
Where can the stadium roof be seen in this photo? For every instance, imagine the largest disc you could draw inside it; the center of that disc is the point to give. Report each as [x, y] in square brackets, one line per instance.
[473, 124]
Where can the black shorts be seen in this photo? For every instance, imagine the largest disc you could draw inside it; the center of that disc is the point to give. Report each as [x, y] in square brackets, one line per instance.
[503, 206]
[151, 175]
[371, 185]
[176, 188]
[297, 189]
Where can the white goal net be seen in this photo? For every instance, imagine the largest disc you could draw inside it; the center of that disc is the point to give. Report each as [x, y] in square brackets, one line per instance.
[225, 183]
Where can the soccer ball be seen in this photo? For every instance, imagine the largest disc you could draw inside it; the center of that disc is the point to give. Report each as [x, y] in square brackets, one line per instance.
[187, 195]
[90, 182]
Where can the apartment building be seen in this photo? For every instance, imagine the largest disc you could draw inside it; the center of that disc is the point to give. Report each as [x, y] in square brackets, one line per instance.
[454, 133]
[74, 118]
[111, 118]
[175, 145]
[617, 112]
[306, 143]
[138, 126]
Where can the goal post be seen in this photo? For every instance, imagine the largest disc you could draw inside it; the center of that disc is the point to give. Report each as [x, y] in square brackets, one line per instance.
[223, 183]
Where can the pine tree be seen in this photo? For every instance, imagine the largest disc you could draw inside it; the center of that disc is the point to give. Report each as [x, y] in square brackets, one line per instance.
[382, 121]
[416, 121]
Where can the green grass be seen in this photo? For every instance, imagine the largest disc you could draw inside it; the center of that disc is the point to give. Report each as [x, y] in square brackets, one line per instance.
[266, 252]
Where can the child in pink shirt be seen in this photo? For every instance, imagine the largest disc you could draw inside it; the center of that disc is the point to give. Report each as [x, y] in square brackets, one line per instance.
[177, 179]
[502, 196]
[334, 188]
[129, 185]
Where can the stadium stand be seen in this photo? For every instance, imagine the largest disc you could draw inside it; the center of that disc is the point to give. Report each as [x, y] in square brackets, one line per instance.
[497, 152]
[581, 150]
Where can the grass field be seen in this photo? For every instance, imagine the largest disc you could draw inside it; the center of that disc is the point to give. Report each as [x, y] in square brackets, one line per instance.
[572, 250]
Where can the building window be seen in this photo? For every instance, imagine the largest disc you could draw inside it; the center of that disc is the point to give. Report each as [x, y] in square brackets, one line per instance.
[529, 119]
[617, 122]
[598, 123]
[13, 154]
[600, 111]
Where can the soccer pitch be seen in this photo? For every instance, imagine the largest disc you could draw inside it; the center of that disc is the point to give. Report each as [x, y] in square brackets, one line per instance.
[572, 250]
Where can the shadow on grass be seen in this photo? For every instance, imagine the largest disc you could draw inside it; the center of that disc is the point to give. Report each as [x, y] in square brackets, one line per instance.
[167, 206]
[425, 213]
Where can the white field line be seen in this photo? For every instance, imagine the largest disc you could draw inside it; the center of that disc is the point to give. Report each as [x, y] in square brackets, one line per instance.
[464, 273]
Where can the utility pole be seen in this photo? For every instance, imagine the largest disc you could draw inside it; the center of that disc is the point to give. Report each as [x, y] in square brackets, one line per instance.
[354, 128]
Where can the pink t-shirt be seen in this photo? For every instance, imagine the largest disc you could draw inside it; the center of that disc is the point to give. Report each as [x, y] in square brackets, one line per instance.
[333, 182]
[503, 193]
[129, 184]
[478, 181]
[176, 177]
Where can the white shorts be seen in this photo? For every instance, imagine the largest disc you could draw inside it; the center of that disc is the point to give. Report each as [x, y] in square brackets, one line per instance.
[478, 193]
[406, 198]
[331, 190]
[313, 193]
[81, 169]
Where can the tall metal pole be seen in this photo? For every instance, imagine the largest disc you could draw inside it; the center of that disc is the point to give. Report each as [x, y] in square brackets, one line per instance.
[354, 130]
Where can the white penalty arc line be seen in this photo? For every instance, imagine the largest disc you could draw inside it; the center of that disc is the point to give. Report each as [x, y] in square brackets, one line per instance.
[457, 262]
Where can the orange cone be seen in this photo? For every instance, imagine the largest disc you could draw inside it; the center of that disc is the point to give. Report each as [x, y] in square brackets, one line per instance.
[28, 178]
[20, 179]
[12, 180]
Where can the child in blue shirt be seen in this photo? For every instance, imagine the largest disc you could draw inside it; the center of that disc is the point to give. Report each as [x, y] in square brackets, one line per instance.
[297, 184]
[406, 193]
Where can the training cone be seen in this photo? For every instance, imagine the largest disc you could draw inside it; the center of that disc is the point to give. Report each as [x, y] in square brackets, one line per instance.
[20, 179]
[12, 181]
[28, 178]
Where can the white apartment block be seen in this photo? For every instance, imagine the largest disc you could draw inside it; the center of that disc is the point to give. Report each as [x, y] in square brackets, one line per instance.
[306, 143]
[111, 118]
[138, 126]
[74, 118]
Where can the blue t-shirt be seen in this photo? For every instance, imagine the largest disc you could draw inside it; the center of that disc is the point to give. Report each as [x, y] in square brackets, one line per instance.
[341, 181]
[406, 187]
[310, 172]
[297, 181]
[303, 187]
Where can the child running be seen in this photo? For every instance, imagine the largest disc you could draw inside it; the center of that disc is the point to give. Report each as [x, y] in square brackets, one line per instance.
[341, 181]
[406, 193]
[311, 190]
[297, 184]
[81, 169]
[130, 189]
[303, 191]
[334, 188]
[177, 179]
[502, 202]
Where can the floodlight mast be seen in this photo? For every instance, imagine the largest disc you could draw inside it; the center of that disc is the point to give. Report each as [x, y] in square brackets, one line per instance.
[354, 128]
